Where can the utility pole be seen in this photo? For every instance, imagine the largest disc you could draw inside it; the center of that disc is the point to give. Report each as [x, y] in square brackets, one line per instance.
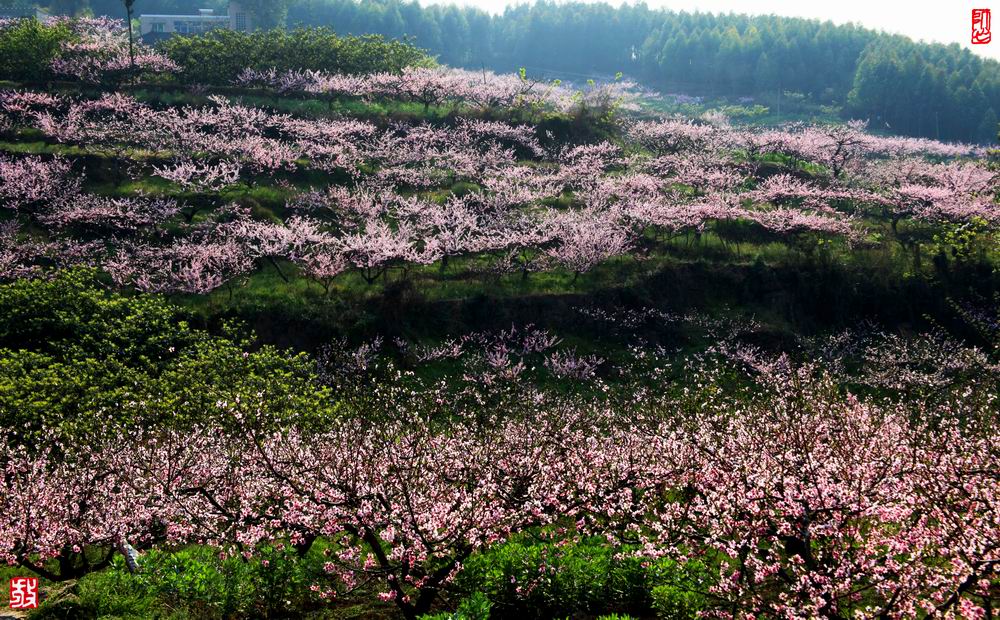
[129, 4]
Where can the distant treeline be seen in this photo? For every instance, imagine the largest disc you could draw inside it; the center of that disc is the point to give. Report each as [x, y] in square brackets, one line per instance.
[912, 88]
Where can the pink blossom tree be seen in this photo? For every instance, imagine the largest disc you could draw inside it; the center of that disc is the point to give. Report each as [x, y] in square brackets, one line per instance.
[585, 239]
[194, 266]
[32, 183]
[104, 51]
[376, 247]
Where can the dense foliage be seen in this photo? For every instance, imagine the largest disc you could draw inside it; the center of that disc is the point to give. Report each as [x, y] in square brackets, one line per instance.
[27, 49]
[219, 56]
[926, 90]
[72, 352]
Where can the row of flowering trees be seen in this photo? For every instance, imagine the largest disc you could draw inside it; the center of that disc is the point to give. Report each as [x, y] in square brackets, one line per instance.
[473, 90]
[804, 500]
[668, 177]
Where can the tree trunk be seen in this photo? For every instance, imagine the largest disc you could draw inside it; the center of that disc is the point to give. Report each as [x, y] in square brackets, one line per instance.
[278, 269]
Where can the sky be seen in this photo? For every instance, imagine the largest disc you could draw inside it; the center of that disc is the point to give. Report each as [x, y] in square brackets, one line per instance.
[941, 21]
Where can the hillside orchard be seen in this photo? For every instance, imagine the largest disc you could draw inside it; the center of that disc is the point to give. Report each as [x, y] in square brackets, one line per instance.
[851, 473]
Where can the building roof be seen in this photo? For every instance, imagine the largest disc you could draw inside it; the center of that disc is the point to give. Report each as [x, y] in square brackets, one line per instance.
[188, 17]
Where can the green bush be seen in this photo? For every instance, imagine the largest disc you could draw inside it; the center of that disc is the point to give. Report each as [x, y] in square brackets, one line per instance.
[475, 607]
[28, 47]
[529, 578]
[116, 594]
[675, 603]
[200, 581]
[72, 315]
[275, 582]
[219, 56]
[71, 351]
[192, 583]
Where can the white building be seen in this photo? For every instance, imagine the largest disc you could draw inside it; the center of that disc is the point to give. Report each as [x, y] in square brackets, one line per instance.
[162, 26]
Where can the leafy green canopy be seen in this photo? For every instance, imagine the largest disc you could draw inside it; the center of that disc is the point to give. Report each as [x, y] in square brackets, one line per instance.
[74, 355]
[219, 56]
[27, 49]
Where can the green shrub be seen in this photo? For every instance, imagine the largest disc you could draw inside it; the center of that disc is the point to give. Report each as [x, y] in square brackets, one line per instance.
[72, 315]
[194, 582]
[475, 607]
[28, 47]
[219, 56]
[526, 578]
[676, 603]
[200, 581]
[275, 582]
[116, 594]
[529, 578]
[71, 351]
